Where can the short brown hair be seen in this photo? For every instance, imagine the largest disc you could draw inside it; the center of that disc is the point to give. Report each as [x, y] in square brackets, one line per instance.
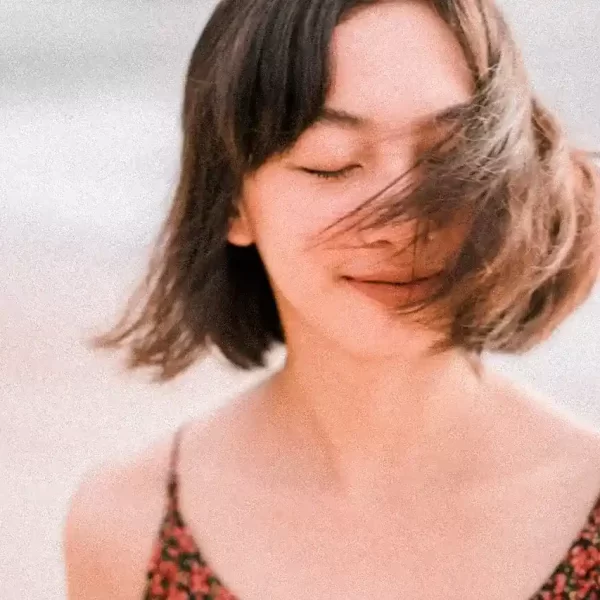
[258, 77]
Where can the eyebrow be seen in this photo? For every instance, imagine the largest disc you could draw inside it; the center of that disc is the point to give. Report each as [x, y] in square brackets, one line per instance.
[336, 116]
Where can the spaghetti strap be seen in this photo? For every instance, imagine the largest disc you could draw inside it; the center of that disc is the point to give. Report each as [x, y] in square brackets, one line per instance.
[173, 477]
[177, 568]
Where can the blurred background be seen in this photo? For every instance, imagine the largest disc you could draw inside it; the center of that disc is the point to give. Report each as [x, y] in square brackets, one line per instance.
[89, 147]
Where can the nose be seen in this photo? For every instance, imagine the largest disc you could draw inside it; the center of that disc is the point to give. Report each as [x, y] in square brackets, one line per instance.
[396, 236]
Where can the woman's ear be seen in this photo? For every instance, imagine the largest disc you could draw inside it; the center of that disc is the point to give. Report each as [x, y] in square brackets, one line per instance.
[240, 232]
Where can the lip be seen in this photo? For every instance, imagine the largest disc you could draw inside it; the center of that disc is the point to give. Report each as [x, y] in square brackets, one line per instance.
[393, 293]
[391, 281]
[390, 278]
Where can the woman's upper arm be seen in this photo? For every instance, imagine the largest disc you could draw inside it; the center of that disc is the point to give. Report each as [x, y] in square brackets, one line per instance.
[108, 535]
[87, 535]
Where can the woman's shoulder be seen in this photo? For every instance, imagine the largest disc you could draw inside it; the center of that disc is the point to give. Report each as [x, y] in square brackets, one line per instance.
[116, 511]
[518, 399]
[112, 519]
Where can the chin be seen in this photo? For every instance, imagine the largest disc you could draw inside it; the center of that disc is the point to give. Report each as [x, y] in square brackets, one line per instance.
[380, 338]
[364, 331]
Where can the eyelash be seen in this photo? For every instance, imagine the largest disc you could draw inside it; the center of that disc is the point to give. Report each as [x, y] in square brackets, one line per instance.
[328, 175]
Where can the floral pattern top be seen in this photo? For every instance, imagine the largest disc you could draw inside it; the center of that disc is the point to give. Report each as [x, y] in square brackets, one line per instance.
[177, 570]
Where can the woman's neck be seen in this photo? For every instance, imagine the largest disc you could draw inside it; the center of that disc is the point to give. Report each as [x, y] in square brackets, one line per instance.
[361, 428]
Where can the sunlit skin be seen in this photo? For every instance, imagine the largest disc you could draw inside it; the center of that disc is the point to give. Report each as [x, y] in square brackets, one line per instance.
[357, 380]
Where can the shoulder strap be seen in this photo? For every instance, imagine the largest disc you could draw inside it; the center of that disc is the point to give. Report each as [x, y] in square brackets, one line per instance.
[173, 478]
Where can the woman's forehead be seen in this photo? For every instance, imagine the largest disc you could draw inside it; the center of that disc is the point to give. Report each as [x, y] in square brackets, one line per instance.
[397, 62]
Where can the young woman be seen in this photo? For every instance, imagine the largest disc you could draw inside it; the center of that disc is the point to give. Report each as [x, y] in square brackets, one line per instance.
[373, 185]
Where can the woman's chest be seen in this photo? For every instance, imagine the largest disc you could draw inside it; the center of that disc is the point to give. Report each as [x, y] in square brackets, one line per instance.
[503, 547]
[499, 540]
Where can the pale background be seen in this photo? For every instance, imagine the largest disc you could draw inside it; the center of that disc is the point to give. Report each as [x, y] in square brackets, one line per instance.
[89, 106]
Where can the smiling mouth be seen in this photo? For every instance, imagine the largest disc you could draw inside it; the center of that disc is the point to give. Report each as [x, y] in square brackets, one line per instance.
[391, 293]
[409, 282]
[395, 283]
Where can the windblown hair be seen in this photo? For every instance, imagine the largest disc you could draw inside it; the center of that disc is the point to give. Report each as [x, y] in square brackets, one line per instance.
[257, 79]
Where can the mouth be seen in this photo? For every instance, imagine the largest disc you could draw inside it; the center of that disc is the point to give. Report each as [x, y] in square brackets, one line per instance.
[405, 282]
[392, 292]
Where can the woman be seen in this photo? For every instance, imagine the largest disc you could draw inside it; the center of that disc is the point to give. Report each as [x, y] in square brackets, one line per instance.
[373, 185]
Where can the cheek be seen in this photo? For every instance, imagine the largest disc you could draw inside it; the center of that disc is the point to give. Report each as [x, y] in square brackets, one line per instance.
[290, 215]
[460, 229]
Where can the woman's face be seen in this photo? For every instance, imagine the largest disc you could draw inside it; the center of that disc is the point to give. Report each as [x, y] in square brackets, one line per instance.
[395, 66]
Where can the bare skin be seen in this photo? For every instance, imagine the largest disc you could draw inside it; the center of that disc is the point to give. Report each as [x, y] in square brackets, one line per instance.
[265, 521]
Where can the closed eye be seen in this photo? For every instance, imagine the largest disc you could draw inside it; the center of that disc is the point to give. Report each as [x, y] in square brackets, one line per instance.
[340, 174]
